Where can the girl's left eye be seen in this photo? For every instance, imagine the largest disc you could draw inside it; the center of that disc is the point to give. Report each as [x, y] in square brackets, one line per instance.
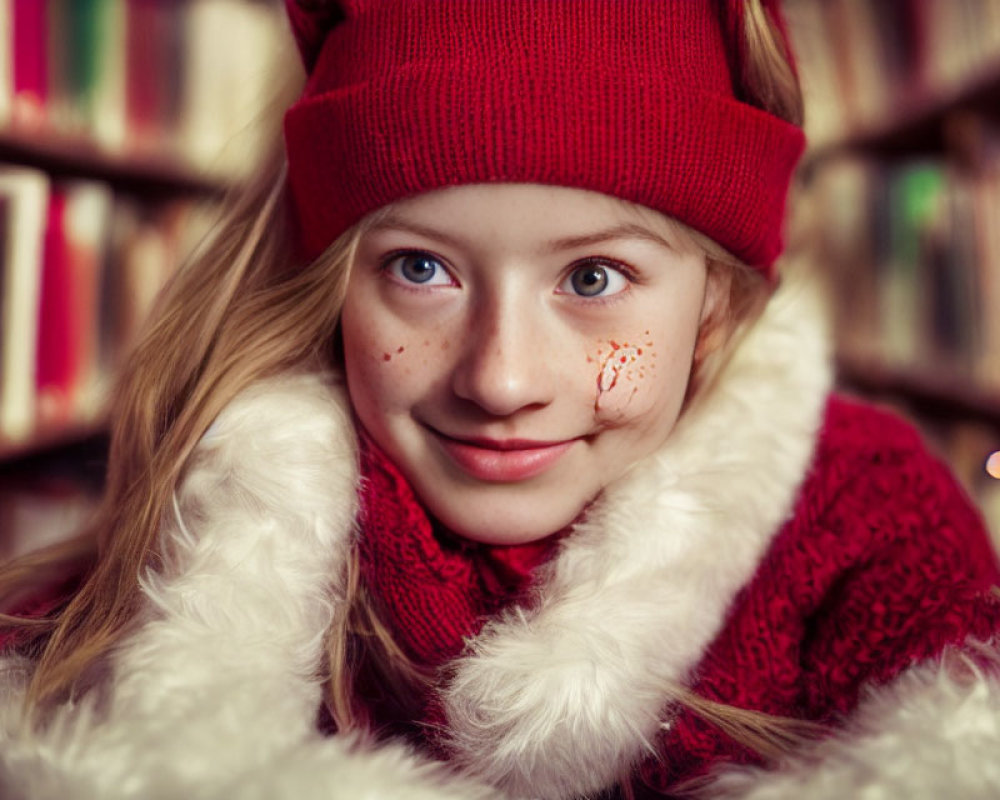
[418, 268]
[594, 279]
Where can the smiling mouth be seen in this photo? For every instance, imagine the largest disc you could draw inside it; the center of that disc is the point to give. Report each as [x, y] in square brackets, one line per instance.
[502, 460]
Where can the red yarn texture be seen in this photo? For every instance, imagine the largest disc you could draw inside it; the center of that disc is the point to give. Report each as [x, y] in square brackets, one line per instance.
[434, 588]
[631, 99]
[883, 564]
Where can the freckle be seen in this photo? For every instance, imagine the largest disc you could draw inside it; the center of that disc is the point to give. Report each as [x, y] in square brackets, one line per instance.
[400, 349]
[445, 345]
[427, 342]
[386, 357]
[590, 360]
[646, 332]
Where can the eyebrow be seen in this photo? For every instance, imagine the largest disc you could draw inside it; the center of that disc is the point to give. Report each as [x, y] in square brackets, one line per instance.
[395, 223]
[625, 230]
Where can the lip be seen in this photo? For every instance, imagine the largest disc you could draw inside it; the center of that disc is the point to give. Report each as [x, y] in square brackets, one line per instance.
[502, 460]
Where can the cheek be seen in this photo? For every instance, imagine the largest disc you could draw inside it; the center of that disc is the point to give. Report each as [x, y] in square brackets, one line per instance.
[390, 367]
[378, 364]
[625, 374]
[637, 377]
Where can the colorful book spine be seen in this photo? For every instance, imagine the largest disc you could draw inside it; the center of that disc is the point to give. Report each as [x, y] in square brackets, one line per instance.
[75, 241]
[29, 61]
[6, 65]
[25, 195]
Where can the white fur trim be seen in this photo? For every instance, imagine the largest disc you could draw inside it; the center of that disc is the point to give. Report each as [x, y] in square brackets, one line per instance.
[932, 733]
[219, 678]
[560, 702]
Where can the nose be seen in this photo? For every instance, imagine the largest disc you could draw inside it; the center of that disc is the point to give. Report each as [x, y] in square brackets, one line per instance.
[506, 360]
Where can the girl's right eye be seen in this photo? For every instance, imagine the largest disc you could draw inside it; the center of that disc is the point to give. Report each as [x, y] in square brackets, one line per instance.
[418, 268]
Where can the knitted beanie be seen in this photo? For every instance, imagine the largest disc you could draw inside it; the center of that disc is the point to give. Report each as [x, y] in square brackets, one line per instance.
[631, 98]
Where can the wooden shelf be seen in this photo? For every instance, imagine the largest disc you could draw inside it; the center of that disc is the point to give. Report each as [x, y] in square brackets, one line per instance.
[932, 393]
[69, 158]
[920, 126]
[47, 441]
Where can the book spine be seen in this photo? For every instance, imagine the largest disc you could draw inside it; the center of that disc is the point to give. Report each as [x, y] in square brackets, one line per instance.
[6, 61]
[30, 66]
[26, 194]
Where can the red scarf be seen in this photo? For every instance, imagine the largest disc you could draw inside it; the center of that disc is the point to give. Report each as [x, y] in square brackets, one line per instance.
[433, 589]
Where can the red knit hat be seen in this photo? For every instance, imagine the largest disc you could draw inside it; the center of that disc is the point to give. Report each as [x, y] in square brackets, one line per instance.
[631, 98]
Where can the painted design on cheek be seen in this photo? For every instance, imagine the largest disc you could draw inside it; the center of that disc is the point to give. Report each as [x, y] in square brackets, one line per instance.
[615, 365]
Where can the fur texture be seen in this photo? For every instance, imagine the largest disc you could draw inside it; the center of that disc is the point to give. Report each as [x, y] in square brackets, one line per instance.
[931, 733]
[217, 684]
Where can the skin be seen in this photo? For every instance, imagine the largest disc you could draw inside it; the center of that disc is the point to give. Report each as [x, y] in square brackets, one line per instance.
[507, 397]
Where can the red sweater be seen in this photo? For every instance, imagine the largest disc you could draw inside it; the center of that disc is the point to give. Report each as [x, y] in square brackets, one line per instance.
[883, 563]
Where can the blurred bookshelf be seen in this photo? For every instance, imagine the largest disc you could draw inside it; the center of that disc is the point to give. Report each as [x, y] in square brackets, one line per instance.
[902, 181]
[122, 124]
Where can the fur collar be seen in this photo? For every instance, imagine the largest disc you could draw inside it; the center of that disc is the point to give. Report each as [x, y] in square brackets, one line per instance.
[215, 692]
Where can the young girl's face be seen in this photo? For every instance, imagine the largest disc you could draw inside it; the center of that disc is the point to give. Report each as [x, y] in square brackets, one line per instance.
[516, 347]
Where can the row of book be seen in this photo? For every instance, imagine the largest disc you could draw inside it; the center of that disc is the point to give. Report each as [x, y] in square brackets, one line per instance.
[912, 251]
[79, 268]
[866, 62]
[176, 80]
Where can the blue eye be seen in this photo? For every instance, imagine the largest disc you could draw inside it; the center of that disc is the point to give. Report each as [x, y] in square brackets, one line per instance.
[419, 268]
[594, 279]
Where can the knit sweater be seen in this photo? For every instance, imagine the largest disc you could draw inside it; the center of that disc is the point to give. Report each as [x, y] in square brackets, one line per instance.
[883, 565]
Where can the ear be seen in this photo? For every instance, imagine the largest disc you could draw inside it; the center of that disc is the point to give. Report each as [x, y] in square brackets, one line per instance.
[312, 20]
[716, 314]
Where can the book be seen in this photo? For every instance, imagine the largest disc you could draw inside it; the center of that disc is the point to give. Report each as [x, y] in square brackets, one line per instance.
[75, 243]
[26, 200]
[97, 43]
[6, 61]
[29, 64]
[223, 89]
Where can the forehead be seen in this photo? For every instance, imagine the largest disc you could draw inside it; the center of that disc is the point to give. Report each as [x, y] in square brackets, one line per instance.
[532, 212]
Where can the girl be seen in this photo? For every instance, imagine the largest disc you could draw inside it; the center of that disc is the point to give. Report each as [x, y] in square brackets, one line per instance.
[472, 458]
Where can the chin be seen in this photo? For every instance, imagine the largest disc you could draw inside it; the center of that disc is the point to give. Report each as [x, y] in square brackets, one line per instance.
[500, 527]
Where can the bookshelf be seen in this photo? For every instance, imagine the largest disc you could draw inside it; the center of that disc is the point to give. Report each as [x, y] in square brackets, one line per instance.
[122, 124]
[147, 174]
[902, 179]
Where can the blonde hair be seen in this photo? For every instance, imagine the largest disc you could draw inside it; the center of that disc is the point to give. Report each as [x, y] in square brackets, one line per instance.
[240, 311]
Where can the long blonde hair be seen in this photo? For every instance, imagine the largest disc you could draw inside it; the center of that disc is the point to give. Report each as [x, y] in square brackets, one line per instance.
[242, 310]
[238, 312]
